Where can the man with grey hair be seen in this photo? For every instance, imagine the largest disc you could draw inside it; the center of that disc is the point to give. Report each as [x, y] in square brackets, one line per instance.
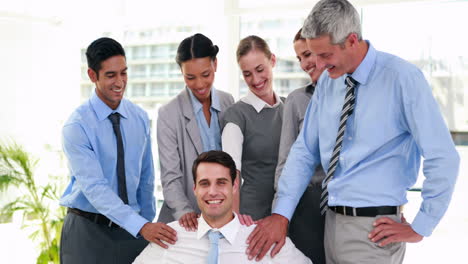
[370, 121]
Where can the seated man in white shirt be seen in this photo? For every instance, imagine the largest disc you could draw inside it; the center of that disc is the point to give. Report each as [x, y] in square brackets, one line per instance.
[214, 173]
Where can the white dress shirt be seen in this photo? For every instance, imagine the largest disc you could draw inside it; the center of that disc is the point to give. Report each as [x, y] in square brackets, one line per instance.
[232, 138]
[193, 246]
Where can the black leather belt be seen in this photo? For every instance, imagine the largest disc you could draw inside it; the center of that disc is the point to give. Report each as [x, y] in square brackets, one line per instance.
[95, 218]
[365, 211]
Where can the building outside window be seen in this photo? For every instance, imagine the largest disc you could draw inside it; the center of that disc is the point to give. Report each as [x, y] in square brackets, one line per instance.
[138, 89]
[158, 89]
[138, 71]
[175, 88]
[158, 70]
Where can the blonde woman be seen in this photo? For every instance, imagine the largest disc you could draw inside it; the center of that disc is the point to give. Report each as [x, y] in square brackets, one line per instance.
[252, 128]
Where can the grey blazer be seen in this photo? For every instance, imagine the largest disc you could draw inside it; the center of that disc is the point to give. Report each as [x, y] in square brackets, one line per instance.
[179, 143]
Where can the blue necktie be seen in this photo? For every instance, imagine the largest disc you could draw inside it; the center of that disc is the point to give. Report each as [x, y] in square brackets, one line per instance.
[122, 184]
[214, 237]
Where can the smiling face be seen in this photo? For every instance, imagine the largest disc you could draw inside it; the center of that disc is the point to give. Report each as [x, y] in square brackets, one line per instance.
[214, 191]
[335, 58]
[257, 71]
[307, 60]
[111, 81]
[199, 76]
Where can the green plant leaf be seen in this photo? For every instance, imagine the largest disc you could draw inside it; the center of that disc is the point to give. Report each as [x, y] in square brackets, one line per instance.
[43, 257]
[17, 170]
[8, 180]
[14, 206]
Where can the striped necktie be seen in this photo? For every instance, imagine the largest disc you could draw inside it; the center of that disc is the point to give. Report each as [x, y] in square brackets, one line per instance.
[347, 110]
[214, 237]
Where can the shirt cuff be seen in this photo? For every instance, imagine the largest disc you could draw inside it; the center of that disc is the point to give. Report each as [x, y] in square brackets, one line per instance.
[424, 224]
[134, 224]
[284, 206]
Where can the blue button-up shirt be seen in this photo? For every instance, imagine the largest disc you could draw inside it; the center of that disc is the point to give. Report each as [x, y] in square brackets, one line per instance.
[210, 134]
[396, 121]
[90, 146]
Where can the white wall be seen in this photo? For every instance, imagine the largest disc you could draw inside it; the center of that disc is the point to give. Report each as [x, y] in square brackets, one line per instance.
[40, 80]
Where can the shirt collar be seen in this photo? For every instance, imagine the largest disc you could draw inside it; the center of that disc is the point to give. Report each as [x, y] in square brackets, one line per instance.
[258, 103]
[362, 72]
[103, 111]
[215, 100]
[229, 230]
[197, 106]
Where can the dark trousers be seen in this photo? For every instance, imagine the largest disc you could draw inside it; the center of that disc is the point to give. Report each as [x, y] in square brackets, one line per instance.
[84, 241]
[306, 229]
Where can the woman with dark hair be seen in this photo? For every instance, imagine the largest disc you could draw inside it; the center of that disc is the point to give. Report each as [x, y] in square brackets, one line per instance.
[187, 126]
[307, 224]
[252, 128]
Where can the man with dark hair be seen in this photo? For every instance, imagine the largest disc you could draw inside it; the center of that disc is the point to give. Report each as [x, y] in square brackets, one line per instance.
[371, 119]
[220, 237]
[107, 142]
[219, 157]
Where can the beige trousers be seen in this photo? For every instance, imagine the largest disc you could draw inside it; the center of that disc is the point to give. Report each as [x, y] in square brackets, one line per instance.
[346, 241]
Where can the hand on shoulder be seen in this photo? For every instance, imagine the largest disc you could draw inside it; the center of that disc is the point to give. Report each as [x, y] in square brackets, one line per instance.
[159, 232]
[270, 231]
[189, 221]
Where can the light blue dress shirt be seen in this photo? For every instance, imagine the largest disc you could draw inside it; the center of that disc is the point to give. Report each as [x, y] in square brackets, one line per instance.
[90, 146]
[210, 134]
[396, 121]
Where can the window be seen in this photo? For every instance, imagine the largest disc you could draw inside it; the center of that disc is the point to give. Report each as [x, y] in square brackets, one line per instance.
[159, 70]
[138, 89]
[160, 51]
[138, 52]
[155, 53]
[174, 70]
[286, 65]
[175, 88]
[173, 51]
[137, 71]
[158, 90]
